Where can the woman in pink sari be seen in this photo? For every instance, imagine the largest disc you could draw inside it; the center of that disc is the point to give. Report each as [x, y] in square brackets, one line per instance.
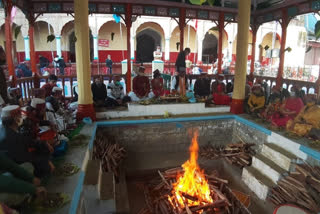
[289, 109]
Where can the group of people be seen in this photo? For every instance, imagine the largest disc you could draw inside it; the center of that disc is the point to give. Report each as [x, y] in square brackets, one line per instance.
[30, 135]
[291, 110]
[58, 63]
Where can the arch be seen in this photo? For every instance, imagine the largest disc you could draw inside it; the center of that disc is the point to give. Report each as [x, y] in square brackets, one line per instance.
[147, 41]
[117, 42]
[265, 55]
[209, 48]
[175, 38]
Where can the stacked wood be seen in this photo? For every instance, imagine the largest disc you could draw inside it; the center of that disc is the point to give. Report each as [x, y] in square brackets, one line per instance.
[110, 153]
[239, 154]
[158, 191]
[301, 187]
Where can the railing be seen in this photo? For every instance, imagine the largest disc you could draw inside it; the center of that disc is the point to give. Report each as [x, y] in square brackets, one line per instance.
[67, 82]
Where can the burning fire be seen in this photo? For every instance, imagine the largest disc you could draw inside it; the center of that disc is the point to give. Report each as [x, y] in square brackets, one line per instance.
[192, 183]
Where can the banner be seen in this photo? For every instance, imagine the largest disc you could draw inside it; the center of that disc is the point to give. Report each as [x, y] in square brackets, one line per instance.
[103, 43]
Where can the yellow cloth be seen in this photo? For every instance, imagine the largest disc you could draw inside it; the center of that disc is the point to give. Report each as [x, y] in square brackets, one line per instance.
[307, 119]
[256, 101]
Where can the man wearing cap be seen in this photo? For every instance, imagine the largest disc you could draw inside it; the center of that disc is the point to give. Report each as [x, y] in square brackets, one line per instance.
[18, 146]
[140, 86]
[157, 84]
[54, 98]
[116, 95]
[15, 97]
[202, 86]
[181, 68]
[49, 86]
[99, 92]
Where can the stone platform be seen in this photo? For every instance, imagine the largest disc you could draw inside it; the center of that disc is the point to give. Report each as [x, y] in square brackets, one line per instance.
[137, 110]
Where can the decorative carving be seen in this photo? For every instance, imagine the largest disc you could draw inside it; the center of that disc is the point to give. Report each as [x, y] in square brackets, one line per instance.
[40, 7]
[213, 16]
[54, 7]
[68, 7]
[138, 10]
[162, 11]
[174, 12]
[191, 13]
[118, 8]
[92, 8]
[104, 8]
[150, 11]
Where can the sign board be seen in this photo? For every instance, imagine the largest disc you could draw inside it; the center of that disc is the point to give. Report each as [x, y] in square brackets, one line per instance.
[103, 43]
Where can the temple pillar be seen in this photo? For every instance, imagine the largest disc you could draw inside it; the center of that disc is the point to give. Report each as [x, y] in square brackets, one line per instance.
[253, 48]
[221, 30]
[81, 25]
[8, 36]
[167, 49]
[33, 59]
[132, 43]
[242, 57]
[26, 48]
[128, 22]
[284, 24]
[58, 44]
[200, 44]
[95, 48]
[182, 24]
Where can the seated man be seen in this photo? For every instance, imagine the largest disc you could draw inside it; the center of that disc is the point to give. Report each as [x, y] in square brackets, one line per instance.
[15, 97]
[256, 100]
[49, 86]
[17, 185]
[219, 81]
[55, 113]
[22, 148]
[307, 119]
[141, 87]
[99, 92]
[202, 86]
[157, 84]
[116, 96]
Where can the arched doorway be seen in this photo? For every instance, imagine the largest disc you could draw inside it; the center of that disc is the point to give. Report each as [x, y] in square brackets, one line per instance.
[147, 41]
[210, 47]
[72, 46]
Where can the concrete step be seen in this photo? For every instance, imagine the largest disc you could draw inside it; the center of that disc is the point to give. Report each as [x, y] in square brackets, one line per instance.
[257, 182]
[267, 167]
[278, 155]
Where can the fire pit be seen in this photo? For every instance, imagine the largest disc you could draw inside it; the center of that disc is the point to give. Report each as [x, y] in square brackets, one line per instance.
[188, 189]
[162, 173]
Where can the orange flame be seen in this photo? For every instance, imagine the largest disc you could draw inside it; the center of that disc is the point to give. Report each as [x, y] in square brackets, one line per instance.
[193, 181]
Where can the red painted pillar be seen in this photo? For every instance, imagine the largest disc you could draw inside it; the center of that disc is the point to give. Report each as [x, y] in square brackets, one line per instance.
[32, 49]
[284, 25]
[221, 30]
[253, 48]
[8, 34]
[182, 23]
[128, 25]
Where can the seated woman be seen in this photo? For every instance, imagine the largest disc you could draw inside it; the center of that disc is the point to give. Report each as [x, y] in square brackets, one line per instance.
[307, 119]
[220, 97]
[290, 108]
[157, 84]
[256, 100]
[22, 148]
[141, 87]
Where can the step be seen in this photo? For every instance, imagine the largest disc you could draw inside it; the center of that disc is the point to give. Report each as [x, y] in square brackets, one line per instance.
[278, 155]
[257, 182]
[267, 167]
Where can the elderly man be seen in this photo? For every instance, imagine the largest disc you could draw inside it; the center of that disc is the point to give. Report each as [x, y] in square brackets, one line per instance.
[141, 87]
[116, 95]
[99, 92]
[49, 86]
[202, 86]
[21, 148]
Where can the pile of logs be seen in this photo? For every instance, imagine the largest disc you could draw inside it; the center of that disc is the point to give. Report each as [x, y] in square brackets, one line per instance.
[158, 190]
[110, 153]
[239, 154]
[301, 187]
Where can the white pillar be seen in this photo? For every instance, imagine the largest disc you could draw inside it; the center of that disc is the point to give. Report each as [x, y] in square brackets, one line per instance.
[26, 48]
[58, 44]
[167, 49]
[200, 41]
[95, 48]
